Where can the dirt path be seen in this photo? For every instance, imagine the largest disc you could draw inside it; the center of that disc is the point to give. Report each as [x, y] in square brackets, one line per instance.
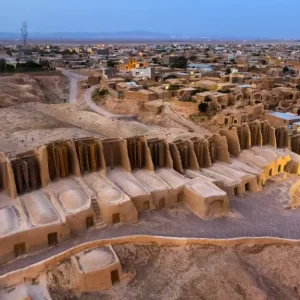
[74, 80]
[253, 215]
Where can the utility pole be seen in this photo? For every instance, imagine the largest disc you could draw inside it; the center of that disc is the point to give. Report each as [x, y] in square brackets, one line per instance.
[24, 37]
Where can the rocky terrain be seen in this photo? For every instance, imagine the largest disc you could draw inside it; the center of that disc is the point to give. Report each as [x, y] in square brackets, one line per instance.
[25, 88]
[198, 272]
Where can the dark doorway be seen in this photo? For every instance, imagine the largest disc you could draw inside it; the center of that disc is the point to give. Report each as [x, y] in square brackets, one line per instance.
[279, 168]
[270, 172]
[89, 222]
[116, 218]
[20, 249]
[146, 205]
[52, 239]
[161, 203]
[247, 187]
[114, 276]
[236, 191]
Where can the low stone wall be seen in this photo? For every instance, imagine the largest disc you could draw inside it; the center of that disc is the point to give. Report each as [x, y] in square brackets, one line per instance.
[32, 271]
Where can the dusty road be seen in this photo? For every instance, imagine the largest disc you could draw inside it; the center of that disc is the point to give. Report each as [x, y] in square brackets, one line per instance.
[74, 80]
[253, 215]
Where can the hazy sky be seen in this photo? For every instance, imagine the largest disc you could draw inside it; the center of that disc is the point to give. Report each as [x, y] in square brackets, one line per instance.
[236, 18]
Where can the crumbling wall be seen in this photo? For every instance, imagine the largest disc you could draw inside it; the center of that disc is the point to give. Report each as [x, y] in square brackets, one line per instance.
[244, 136]
[256, 134]
[160, 154]
[88, 154]
[26, 173]
[201, 150]
[8, 180]
[268, 134]
[295, 143]
[136, 152]
[58, 160]
[218, 147]
[115, 153]
[177, 163]
[232, 140]
[282, 137]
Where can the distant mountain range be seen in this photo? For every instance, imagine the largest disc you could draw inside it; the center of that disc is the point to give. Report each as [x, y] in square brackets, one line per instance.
[136, 35]
[122, 35]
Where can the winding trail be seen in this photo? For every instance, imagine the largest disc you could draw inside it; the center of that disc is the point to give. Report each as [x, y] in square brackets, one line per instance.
[74, 80]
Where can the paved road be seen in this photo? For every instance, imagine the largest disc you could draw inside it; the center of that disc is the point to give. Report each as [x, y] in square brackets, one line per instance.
[253, 215]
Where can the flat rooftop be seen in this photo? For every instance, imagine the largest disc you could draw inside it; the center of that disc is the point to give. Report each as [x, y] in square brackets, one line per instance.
[284, 116]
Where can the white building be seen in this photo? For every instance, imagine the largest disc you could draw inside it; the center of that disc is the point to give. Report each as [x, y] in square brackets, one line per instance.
[143, 72]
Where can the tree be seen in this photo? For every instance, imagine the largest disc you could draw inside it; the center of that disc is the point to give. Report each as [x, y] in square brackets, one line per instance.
[232, 60]
[2, 65]
[203, 107]
[207, 99]
[193, 58]
[111, 63]
[154, 60]
[285, 70]
[228, 71]
[227, 91]
[180, 63]
[264, 62]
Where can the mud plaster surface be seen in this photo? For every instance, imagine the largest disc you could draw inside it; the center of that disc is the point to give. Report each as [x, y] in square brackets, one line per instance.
[253, 215]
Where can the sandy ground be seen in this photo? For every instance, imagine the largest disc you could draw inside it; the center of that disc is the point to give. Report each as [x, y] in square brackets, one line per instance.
[25, 88]
[253, 215]
[200, 272]
[24, 128]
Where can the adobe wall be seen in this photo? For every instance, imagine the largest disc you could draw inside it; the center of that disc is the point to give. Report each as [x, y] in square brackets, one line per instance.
[221, 143]
[232, 140]
[32, 271]
[7, 175]
[136, 95]
[33, 243]
[256, 135]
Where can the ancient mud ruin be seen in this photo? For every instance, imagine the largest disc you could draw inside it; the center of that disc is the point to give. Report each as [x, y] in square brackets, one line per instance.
[66, 187]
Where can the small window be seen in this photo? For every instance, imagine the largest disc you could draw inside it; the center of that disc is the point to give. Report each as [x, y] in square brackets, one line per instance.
[89, 222]
[52, 239]
[20, 249]
[114, 275]
[116, 218]
[146, 205]
[270, 172]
